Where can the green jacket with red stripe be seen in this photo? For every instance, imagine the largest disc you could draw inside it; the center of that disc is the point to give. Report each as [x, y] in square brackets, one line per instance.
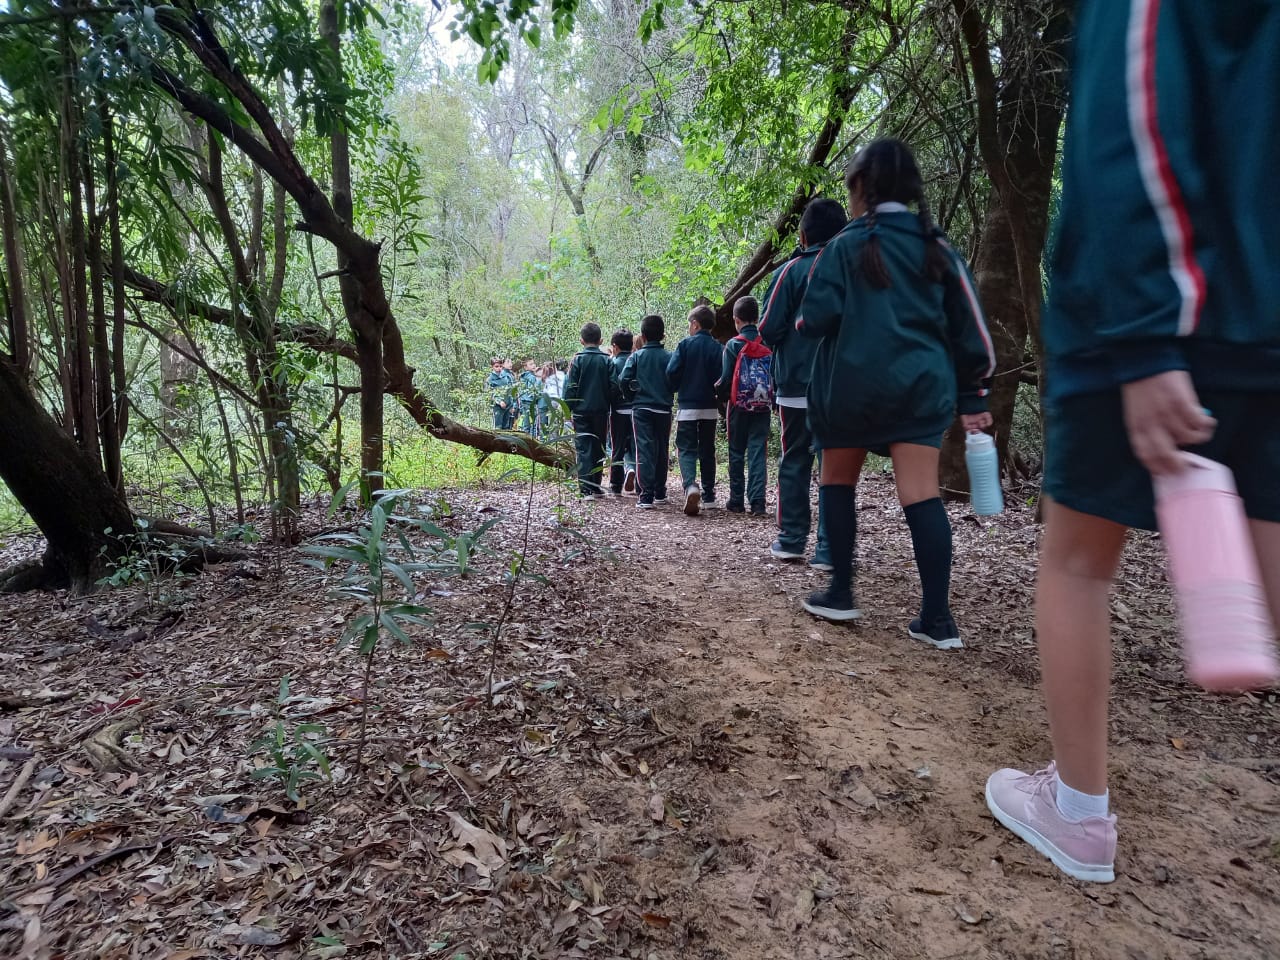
[907, 356]
[792, 353]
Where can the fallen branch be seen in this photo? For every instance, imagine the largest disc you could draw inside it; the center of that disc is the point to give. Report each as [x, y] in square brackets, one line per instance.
[23, 776]
[17, 701]
[63, 877]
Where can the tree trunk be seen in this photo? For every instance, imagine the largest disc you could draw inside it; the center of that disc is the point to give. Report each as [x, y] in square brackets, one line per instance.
[119, 380]
[19, 327]
[104, 402]
[360, 277]
[1023, 114]
[80, 352]
[61, 486]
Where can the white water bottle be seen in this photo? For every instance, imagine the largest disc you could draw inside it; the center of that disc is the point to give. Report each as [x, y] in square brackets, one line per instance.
[983, 463]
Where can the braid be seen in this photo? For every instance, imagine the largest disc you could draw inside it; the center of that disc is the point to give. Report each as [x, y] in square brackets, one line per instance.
[872, 261]
[936, 264]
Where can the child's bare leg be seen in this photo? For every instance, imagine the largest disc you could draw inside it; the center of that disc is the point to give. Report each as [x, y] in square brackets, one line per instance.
[1078, 560]
[915, 472]
[1266, 543]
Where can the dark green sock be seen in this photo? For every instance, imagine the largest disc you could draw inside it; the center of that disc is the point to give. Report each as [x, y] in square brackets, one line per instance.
[836, 503]
[931, 538]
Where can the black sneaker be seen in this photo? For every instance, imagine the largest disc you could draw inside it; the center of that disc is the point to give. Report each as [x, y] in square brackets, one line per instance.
[735, 508]
[941, 634]
[830, 605]
[758, 510]
[660, 501]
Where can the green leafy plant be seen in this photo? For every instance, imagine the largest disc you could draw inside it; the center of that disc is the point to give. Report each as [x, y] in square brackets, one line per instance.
[146, 560]
[292, 749]
[370, 558]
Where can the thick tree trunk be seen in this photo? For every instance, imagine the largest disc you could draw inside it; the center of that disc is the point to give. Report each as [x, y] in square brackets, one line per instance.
[1019, 120]
[61, 486]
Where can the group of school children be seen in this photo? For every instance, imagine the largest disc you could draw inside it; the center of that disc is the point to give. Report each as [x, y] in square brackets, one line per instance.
[527, 399]
[626, 396]
[1161, 334]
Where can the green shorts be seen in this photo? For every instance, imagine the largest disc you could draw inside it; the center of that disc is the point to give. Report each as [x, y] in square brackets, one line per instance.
[1090, 468]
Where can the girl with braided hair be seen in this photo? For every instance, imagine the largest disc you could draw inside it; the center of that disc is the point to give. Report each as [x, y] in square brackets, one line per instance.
[904, 345]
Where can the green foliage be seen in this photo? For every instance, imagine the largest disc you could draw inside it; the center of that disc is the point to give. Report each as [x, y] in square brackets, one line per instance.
[292, 750]
[146, 560]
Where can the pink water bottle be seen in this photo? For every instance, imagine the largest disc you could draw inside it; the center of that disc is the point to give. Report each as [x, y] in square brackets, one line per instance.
[1226, 629]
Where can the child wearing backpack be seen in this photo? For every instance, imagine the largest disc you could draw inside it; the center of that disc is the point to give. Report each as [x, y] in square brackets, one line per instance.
[693, 372]
[1162, 332]
[586, 393]
[747, 384]
[792, 365]
[622, 438]
[903, 345]
[644, 382]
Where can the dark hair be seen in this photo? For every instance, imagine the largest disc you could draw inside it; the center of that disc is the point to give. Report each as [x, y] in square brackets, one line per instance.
[562, 365]
[591, 333]
[495, 361]
[822, 220]
[746, 309]
[702, 302]
[888, 173]
[623, 339]
[703, 316]
[652, 328]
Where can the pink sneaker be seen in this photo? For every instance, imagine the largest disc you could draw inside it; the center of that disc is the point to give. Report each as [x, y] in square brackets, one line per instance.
[1027, 803]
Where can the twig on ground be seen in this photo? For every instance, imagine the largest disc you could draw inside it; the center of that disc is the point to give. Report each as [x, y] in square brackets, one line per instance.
[23, 776]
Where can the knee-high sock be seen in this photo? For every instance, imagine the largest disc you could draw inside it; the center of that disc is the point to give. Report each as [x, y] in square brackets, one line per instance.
[837, 506]
[931, 538]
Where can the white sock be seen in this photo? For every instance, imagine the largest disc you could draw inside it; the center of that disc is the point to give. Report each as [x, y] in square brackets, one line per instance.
[1077, 806]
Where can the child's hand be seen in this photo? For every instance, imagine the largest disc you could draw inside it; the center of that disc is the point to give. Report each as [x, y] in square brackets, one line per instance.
[1162, 414]
[975, 422]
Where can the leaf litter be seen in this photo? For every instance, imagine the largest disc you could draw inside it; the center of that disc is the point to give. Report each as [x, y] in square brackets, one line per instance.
[686, 773]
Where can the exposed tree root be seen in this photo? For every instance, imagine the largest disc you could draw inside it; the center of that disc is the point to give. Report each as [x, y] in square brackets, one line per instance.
[104, 750]
[24, 576]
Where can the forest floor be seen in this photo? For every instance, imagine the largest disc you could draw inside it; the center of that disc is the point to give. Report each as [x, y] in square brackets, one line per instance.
[679, 763]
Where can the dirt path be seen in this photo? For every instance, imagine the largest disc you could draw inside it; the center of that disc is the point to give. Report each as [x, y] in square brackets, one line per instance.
[833, 773]
[679, 764]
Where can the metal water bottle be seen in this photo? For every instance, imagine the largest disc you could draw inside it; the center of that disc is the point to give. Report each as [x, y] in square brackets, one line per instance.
[983, 463]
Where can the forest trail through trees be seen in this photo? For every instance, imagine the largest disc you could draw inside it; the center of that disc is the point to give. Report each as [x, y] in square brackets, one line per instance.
[681, 763]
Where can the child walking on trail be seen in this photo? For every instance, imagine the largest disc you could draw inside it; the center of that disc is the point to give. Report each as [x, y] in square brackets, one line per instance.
[693, 371]
[644, 382]
[1162, 331]
[622, 439]
[903, 344]
[586, 392]
[792, 364]
[750, 408]
[499, 382]
[530, 394]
